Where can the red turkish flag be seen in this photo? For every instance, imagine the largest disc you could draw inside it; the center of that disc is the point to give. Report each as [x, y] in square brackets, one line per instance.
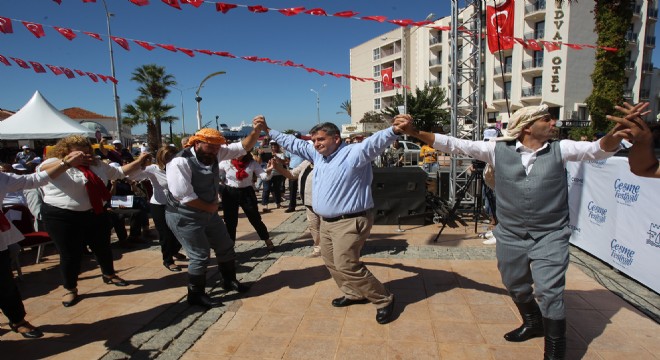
[34, 28]
[59, 2]
[103, 77]
[550, 46]
[144, 44]
[534, 45]
[140, 2]
[257, 9]
[79, 72]
[20, 63]
[195, 3]
[4, 60]
[499, 24]
[374, 18]
[610, 49]
[173, 3]
[92, 76]
[521, 42]
[113, 79]
[403, 22]
[346, 14]
[94, 35]
[167, 47]
[224, 7]
[574, 46]
[204, 51]
[422, 23]
[386, 78]
[56, 70]
[249, 58]
[292, 11]
[67, 33]
[68, 72]
[121, 41]
[225, 54]
[38, 68]
[186, 51]
[89, 1]
[5, 25]
[316, 11]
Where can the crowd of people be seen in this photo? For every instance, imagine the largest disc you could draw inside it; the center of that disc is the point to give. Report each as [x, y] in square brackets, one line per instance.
[334, 179]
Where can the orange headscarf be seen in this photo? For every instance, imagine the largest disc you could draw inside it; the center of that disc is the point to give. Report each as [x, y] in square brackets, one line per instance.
[207, 135]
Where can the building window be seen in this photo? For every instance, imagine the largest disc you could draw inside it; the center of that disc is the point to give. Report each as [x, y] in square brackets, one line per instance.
[377, 54]
[377, 104]
[377, 87]
[539, 30]
[507, 88]
[377, 71]
[537, 85]
[492, 116]
[508, 64]
[538, 59]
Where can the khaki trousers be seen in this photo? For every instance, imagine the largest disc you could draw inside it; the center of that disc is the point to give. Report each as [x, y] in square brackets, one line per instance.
[341, 243]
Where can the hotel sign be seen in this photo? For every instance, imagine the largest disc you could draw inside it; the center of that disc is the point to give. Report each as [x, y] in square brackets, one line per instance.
[557, 60]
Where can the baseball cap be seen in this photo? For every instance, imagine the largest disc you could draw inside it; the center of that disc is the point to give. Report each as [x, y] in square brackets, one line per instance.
[273, 142]
[18, 166]
[297, 134]
[25, 147]
[116, 142]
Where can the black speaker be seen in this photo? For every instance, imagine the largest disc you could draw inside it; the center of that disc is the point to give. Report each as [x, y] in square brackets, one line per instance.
[398, 191]
[443, 185]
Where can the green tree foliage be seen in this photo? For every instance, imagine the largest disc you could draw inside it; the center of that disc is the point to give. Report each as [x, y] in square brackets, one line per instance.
[149, 108]
[372, 117]
[612, 21]
[425, 106]
[345, 107]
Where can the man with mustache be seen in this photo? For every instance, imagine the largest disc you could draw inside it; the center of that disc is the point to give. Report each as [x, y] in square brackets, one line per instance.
[192, 208]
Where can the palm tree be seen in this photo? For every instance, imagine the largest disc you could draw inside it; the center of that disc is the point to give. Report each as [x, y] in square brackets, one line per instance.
[153, 89]
[425, 106]
[346, 107]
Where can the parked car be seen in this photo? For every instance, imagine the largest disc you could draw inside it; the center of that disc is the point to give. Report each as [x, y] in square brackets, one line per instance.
[410, 153]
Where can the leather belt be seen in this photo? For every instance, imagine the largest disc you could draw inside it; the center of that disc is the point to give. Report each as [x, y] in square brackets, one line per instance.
[347, 216]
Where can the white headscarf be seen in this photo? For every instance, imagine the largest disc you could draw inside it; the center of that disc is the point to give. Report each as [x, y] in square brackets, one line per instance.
[521, 118]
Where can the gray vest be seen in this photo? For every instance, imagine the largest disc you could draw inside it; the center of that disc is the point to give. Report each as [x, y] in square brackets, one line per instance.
[534, 204]
[205, 182]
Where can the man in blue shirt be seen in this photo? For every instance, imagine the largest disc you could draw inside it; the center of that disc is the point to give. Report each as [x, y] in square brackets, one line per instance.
[341, 196]
[294, 161]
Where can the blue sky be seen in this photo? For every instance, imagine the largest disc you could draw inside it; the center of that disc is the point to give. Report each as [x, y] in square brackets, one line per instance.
[282, 94]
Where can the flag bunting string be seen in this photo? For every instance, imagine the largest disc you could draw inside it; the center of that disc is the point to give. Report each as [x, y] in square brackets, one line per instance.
[57, 70]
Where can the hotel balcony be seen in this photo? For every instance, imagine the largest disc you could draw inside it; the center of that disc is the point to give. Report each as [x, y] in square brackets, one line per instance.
[506, 68]
[631, 37]
[534, 35]
[629, 66]
[647, 67]
[532, 91]
[636, 9]
[532, 66]
[650, 41]
[435, 63]
[498, 96]
[652, 14]
[535, 10]
[435, 42]
[627, 93]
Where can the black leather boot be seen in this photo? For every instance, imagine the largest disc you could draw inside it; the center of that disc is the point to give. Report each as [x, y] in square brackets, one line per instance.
[197, 292]
[229, 281]
[555, 339]
[532, 325]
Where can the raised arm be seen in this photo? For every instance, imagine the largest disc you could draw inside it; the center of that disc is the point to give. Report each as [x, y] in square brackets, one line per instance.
[641, 157]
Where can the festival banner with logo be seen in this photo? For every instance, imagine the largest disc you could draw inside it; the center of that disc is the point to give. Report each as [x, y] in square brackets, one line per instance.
[615, 216]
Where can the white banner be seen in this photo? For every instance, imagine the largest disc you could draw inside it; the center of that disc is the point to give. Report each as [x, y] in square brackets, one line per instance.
[615, 216]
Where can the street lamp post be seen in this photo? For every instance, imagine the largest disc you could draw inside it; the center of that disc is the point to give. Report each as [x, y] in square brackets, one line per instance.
[112, 72]
[199, 98]
[216, 122]
[318, 103]
[183, 114]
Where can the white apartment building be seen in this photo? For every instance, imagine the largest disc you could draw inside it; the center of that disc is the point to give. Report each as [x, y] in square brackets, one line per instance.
[560, 78]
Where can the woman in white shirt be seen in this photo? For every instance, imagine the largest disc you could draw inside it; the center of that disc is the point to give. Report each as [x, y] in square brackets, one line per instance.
[239, 190]
[74, 213]
[169, 244]
[11, 303]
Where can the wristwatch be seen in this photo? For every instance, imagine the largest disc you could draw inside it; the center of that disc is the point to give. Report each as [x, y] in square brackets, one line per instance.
[65, 164]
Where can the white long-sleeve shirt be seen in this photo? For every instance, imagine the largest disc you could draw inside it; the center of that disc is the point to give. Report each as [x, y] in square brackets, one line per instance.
[179, 172]
[252, 169]
[485, 150]
[13, 182]
[158, 179]
[68, 191]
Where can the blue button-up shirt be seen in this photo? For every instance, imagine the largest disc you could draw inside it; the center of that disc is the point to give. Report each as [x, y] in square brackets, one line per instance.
[294, 160]
[342, 180]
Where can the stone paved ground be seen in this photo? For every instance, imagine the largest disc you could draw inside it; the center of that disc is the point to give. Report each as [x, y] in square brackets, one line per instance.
[450, 304]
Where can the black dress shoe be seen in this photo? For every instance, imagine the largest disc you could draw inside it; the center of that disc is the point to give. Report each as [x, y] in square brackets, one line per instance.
[384, 315]
[114, 280]
[26, 330]
[344, 301]
[289, 210]
[235, 285]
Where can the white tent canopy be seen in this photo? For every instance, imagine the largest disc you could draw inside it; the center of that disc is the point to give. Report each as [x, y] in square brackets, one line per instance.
[38, 119]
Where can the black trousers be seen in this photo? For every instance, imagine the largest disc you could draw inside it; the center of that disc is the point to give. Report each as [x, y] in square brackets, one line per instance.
[245, 197]
[71, 230]
[10, 298]
[274, 185]
[169, 244]
[293, 193]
